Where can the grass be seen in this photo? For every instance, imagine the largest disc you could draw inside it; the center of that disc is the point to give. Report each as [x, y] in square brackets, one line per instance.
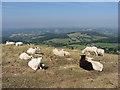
[62, 72]
[107, 44]
[59, 40]
[78, 46]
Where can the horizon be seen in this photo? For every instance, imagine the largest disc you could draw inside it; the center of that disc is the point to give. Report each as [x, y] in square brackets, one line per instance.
[59, 15]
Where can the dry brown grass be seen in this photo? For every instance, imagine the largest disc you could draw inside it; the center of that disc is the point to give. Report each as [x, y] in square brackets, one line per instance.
[62, 72]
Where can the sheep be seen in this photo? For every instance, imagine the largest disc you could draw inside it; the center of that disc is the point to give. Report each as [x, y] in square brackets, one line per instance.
[58, 52]
[90, 49]
[96, 65]
[35, 63]
[10, 43]
[25, 56]
[19, 43]
[89, 64]
[100, 52]
[65, 52]
[83, 63]
[33, 51]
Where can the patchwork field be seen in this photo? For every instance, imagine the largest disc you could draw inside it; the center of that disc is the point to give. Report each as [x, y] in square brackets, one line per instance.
[62, 72]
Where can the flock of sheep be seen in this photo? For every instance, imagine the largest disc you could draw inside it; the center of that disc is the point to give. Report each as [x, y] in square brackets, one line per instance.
[34, 63]
[85, 62]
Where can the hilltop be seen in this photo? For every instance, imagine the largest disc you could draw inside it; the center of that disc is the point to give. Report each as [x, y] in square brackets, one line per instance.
[62, 72]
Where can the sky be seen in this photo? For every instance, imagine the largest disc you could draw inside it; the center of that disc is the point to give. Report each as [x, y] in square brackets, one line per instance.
[60, 0]
[59, 14]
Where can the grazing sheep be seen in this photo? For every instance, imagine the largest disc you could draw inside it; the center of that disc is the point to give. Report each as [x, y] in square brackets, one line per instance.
[19, 43]
[10, 43]
[100, 52]
[89, 64]
[90, 49]
[25, 56]
[33, 51]
[35, 63]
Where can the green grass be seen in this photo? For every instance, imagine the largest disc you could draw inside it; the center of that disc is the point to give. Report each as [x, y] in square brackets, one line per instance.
[78, 46]
[62, 72]
[107, 44]
[59, 40]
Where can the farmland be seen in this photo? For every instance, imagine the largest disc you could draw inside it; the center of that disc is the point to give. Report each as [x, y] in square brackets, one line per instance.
[71, 40]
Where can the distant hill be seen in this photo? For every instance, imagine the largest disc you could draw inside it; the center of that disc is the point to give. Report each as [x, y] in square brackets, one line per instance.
[58, 38]
[108, 40]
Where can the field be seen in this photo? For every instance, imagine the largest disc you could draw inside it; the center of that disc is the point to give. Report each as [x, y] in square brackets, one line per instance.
[62, 72]
[109, 45]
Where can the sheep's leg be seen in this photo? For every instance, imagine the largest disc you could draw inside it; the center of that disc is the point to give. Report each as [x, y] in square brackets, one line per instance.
[96, 53]
[34, 68]
[40, 68]
[102, 54]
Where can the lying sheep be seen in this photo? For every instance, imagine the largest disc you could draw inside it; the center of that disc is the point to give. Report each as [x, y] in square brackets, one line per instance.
[60, 52]
[96, 65]
[10, 43]
[89, 64]
[100, 52]
[35, 63]
[90, 50]
[19, 43]
[25, 56]
[33, 51]
[65, 52]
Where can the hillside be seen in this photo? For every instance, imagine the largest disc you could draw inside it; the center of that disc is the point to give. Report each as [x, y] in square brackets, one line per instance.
[65, 39]
[62, 72]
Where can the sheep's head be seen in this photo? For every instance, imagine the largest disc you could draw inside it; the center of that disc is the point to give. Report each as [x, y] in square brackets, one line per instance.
[83, 51]
[62, 49]
[37, 49]
[39, 59]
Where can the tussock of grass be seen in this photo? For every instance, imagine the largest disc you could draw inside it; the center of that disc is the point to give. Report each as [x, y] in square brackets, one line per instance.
[62, 72]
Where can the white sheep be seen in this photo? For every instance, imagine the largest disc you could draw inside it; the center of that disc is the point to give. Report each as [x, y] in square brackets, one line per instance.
[10, 43]
[33, 51]
[96, 65]
[58, 52]
[35, 63]
[90, 49]
[65, 52]
[100, 52]
[25, 56]
[19, 43]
